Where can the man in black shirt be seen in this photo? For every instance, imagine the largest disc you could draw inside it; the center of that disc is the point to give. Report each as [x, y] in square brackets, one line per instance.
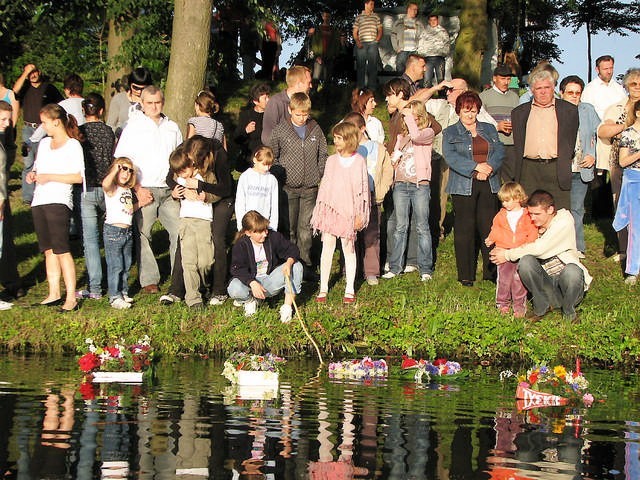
[33, 92]
[249, 130]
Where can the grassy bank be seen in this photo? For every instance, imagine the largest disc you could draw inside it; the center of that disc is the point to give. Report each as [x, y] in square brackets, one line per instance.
[402, 315]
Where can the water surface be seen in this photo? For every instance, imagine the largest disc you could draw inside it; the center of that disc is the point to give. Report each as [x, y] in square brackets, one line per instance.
[191, 424]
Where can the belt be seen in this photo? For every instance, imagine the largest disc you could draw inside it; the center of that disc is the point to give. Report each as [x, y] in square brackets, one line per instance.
[32, 125]
[541, 160]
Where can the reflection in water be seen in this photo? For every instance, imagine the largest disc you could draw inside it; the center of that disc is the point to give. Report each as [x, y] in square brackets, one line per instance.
[190, 425]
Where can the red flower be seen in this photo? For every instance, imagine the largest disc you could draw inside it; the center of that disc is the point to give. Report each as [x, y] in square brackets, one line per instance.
[409, 362]
[533, 378]
[87, 390]
[440, 361]
[113, 351]
[88, 362]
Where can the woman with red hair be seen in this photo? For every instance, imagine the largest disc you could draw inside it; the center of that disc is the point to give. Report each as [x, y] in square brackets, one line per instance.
[474, 155]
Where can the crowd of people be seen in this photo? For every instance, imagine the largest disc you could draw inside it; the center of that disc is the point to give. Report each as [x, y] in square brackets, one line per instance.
[534, 155]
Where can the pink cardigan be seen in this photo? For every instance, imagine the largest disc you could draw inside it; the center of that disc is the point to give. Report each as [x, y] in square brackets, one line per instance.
[422, 140]
[343, 198]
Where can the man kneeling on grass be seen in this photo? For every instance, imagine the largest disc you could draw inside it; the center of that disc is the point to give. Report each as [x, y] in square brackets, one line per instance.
[261, 261]
[549, 267]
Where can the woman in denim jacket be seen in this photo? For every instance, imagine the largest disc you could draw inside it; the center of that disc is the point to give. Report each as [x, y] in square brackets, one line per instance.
[474, 155]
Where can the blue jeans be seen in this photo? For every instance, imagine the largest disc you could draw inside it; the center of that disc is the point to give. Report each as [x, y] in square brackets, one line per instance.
[405, 197]
[118, 250]
[367, 65]
[28, 161]
[435, 69]
[564, 290]
[91, 210]
[273, 283]
[578, 192]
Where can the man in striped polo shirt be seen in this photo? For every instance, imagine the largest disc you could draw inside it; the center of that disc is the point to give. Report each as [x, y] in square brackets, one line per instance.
[367, 31]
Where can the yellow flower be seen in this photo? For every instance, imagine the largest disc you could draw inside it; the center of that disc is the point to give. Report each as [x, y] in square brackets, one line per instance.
[560, 371]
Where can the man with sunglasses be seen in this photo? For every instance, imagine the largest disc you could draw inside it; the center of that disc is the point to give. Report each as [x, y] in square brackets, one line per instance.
[148, 140]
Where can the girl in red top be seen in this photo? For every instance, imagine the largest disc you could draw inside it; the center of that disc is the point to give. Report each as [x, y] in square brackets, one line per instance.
[512, 227]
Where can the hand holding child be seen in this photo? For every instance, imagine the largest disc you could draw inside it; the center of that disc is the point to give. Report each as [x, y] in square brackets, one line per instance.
[178, 192]
[144, 195]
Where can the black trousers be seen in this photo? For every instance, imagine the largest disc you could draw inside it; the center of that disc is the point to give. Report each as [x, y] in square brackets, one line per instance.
[471, 225]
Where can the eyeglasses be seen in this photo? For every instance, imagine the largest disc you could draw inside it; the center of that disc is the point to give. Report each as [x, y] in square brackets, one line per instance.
[575, 93]
[137, 88]
[124, 168]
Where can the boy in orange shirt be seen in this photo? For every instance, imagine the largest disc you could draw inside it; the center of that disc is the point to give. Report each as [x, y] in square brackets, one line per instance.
[512, 227]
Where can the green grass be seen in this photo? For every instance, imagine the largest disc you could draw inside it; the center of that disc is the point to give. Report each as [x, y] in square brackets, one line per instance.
[402, 315]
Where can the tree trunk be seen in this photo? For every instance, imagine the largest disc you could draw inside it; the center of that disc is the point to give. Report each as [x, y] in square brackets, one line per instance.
[589, 50]
[472, 42]
[117, 35]
[188, 61]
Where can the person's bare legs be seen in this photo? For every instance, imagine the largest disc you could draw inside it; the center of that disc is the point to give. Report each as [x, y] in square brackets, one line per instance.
[52, 267]
[68, 267]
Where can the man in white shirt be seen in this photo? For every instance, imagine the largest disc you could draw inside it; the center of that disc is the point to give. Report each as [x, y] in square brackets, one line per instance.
[148, 140]
[603, 91]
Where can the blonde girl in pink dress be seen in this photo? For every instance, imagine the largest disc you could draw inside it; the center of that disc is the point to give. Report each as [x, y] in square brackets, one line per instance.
[342, 207]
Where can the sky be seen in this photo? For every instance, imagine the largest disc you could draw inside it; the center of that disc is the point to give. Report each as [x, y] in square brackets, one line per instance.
[574, 52]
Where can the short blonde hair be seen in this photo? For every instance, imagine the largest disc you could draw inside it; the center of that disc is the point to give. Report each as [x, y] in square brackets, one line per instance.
[420, 114]
[300, 101]
[513, 191]
[350, 134]
[263, 155]
[296, 74]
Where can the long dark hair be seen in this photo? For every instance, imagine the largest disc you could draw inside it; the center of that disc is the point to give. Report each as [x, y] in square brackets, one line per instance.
[200, 150]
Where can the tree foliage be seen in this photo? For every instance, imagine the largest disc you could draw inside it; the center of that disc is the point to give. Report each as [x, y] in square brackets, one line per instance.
[64, 36]
[527, 27]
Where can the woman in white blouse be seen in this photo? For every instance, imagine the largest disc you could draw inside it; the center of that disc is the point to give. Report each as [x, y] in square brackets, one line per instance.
[59, 164]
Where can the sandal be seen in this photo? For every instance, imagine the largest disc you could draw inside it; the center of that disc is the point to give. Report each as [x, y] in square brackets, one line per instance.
[322, 297]
[349, 298]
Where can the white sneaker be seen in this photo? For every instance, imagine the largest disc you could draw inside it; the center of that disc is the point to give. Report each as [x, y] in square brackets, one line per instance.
[250, 307]
[389, 275]
[238, 303]
[372, 281]
[218, 299]
[619, 257]
[631, 280]
[168, 299]
[5, 305]
[120, 304]
[425, 277]
[286, 313]
[410, 268]
[127, 298]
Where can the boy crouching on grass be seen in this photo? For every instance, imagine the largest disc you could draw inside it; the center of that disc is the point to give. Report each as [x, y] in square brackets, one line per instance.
[194, 230]
[261, 261]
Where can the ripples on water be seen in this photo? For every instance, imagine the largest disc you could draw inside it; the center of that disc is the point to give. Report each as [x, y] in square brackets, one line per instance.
[190, 424]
